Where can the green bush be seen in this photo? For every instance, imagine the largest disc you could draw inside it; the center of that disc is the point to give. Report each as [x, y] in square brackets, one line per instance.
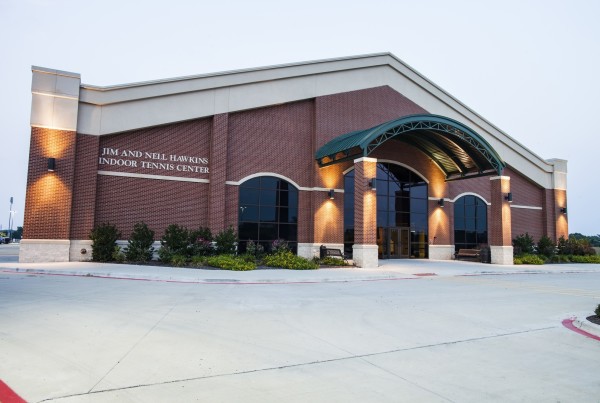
[178, 260]
[288, 260]
[560, 259]
[139, 247]
[248, 257]
[255, 249]
[104, 239]
[200, 242]
[226, 241]
[528, 259]
[279, 245]
[546, 247]
[118, 255]
[173, 242]
[332, 261]
[585, 259]
[230, 262]
[597, 311]
[574, 246]
[523, 244]
[198, 261]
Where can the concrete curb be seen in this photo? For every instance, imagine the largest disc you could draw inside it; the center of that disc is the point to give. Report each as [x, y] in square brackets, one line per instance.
[587, 326]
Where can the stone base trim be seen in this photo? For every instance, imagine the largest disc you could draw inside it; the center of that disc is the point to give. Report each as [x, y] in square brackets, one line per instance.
[502, 255]
[80, 250]
[310, 250]
[44, 250]
[441, 252]
[365, 256]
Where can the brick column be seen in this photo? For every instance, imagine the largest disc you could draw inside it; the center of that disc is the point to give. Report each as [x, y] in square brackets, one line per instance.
[500, 234]
[47, 218]
[365, 214]
[218, 173]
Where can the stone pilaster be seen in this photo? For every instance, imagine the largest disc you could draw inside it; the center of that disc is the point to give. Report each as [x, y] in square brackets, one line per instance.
[365, 213]
[500, 234]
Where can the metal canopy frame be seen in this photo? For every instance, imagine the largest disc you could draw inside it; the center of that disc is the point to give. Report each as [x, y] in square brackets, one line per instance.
[436, 136]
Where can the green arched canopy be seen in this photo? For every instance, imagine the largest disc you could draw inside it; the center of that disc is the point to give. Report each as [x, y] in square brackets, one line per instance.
[457, 150]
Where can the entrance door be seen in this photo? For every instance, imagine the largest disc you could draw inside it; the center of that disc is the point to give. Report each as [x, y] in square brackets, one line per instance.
[394, 242]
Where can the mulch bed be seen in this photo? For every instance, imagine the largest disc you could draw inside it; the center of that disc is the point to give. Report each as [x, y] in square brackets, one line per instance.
[594, 319]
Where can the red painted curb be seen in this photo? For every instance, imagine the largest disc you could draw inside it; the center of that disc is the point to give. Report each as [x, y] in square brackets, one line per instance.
[568, 323]
[7, 395]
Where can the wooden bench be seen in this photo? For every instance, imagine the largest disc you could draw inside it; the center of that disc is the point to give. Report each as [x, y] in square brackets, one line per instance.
[468, 254]
[335, 253]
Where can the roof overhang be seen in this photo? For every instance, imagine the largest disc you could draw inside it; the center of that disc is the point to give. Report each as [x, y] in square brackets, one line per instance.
[455, 148]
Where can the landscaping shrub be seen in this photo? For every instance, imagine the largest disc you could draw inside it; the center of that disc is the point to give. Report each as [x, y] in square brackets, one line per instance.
[574, 246]
[523, 244]
[255, 249]
[173, 242]
[279, 245]
[597, 311]
[118, 255]
[230, 262]
[198, 261]
[178, 260]
[528, 259]
[200, 242]
[139, 247]
[585, 259]
[560, 259]
[546, 247]
[332, 261]
[288, 260]
[104, 239]
[226, 241]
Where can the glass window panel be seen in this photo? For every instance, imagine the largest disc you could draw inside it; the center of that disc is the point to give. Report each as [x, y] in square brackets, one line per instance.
[382, 187]
[248, 231]
[288, 232]
[403, 204]
[248, 196]
[268, 197]
[288, 215]
[269, 182]
[382, 171]
[349, 185]
[283, 185]
[402, 219]
[419, 191]
[248, 213]
[349, 235]
[418, 221]
[470, 210]
[382, 203]
[382, 218]
[459, 236]
[292, 200]
[251, 183]
[283, 198]
[399, 173]
[471, 237]
[481, 224]
[470, 224]
[459, 224]
[393, 187]
[481, 212]
[459, 212]
[267, 231]
[268, 214]
[418, 206]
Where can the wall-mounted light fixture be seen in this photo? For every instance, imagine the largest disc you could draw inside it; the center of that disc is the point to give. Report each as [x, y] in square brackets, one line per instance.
[563, 210]
[51, 164]
[372, 183]
[441, 203]
[330, 193]
[508, 197]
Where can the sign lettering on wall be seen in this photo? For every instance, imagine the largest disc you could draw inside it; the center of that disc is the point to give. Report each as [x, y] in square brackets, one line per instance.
[152, 160]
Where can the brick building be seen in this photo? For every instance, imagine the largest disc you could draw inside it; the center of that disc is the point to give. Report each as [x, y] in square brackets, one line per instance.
[360, 153]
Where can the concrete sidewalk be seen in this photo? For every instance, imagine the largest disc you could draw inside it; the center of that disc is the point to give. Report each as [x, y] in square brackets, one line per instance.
[387, 270]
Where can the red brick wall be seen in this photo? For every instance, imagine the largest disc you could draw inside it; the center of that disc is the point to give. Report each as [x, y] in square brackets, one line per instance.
[218, 173]
[499, 219]
[84, 186]
[48, 194]
[365, 204]
[126, 201]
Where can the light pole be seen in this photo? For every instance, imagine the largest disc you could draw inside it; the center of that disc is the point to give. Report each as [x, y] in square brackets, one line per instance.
[10, 218]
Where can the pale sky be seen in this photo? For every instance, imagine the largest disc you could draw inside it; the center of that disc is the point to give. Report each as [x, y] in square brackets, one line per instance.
[529, 67]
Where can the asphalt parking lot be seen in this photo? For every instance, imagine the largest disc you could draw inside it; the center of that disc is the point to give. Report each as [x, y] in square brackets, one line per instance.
[427, 338]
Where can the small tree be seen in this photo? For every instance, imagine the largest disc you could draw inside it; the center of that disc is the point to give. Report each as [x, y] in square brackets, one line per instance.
[279, 246]
[200, 242]
[597, 311]
[523, 244]
[175, 241]
[546, 247]
[226, 241]
[139, 248]
[104, 240]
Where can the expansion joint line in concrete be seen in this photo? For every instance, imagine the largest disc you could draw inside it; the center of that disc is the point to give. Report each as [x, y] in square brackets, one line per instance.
[302, 364]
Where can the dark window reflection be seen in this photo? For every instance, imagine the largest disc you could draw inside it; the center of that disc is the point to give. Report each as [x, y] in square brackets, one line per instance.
[470, 223]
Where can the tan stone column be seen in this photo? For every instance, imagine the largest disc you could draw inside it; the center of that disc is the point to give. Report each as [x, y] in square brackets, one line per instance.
[500, 233]
[364, 250]
[558, 210]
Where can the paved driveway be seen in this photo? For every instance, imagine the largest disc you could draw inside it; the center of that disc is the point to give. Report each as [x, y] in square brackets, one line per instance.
[406, 338]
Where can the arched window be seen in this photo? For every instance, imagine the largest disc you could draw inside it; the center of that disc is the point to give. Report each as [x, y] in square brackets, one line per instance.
[401, 212]
[268, 210]
[470, 223]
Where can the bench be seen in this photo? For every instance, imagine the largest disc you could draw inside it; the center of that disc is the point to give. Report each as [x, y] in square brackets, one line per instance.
[469, 254]
[327, 252]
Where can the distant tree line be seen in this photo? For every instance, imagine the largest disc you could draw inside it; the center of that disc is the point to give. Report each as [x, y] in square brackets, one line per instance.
[594, 240]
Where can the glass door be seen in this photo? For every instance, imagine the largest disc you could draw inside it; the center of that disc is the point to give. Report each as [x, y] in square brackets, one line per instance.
[393, 242]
